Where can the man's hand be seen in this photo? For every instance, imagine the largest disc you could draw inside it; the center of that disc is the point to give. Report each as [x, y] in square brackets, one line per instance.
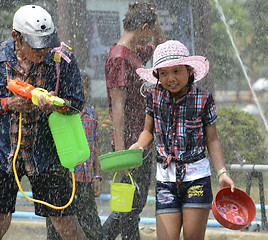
[45, 105]
[18, 103]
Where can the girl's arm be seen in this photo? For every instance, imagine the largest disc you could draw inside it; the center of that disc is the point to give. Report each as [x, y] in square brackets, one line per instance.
[146, 137]
[216, 154]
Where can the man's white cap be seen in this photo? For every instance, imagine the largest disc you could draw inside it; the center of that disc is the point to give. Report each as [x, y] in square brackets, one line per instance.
[36, 26]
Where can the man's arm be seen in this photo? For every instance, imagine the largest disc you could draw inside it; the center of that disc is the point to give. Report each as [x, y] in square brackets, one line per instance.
[118, 96]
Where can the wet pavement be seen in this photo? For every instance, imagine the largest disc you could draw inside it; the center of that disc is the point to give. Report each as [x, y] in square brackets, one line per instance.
[25, 229]
[35, 229]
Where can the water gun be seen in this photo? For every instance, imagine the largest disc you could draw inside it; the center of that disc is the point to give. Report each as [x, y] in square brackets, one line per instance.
[28, 91]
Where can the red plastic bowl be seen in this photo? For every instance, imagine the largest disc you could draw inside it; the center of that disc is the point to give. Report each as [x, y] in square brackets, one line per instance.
[233, 210]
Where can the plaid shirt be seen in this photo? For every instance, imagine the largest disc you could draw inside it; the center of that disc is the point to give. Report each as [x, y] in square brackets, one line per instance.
[84, 171]
[179, 127]
[38, 151]
[35, 77]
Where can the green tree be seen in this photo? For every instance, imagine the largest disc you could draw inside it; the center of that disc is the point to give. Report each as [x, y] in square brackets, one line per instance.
[240, 136]
[9, 7]
[257, 13]
[228, 74]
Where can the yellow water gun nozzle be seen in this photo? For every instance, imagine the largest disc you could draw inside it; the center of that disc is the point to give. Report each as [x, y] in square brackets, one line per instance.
[53, 99]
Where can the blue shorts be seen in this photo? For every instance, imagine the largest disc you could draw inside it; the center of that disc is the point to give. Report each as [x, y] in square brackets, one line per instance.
[171, 197]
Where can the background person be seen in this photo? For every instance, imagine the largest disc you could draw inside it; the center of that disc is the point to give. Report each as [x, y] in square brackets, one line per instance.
[127, 106]
[181, 119]
[29, 57]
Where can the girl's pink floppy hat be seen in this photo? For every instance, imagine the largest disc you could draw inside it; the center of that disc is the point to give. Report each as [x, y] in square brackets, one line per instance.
[172, 53]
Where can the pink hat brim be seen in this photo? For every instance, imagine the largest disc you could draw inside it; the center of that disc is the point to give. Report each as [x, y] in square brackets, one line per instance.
[199, 63]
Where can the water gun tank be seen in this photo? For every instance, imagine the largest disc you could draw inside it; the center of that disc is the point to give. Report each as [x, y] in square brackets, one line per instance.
[70, 139]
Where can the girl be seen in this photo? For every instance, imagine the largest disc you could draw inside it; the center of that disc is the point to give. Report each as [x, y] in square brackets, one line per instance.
[180, 118]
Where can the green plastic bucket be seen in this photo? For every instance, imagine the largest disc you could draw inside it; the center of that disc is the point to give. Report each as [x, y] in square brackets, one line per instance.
[122, 195]
[70, 139]
[121, 160]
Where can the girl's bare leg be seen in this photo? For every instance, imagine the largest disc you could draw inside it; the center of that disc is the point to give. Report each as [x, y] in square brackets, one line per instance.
[195, 223]
[168, 226]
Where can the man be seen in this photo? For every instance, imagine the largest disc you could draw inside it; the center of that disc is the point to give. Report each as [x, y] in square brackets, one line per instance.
[29, 57]
[127, 105]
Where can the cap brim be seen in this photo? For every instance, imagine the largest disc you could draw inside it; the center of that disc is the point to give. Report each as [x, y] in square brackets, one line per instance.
[199, 63]
[39, 42]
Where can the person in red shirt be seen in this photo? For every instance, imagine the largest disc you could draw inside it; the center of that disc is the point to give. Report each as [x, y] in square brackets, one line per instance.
[127, 105]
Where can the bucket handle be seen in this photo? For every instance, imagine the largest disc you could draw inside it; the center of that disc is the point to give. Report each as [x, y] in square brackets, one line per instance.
[128, 175]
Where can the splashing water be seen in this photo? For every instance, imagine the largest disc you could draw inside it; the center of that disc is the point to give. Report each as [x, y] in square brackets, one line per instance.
[241, 63]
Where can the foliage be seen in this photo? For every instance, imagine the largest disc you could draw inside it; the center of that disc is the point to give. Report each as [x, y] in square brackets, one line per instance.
[7, 10]
[227, 74]
[105, 126]
[257, 12]
[248, 24]
[240, 136]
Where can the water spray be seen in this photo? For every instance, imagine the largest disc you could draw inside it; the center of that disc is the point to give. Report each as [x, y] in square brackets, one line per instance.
[241, 63]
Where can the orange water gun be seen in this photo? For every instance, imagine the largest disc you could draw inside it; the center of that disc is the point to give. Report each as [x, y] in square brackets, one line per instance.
[27, 90]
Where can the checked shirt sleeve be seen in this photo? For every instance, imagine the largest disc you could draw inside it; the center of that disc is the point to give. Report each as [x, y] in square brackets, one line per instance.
[210, 116]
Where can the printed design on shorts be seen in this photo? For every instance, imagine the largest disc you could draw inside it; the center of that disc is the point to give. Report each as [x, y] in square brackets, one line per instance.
[188, 170]
[164, 197]
[195, 191]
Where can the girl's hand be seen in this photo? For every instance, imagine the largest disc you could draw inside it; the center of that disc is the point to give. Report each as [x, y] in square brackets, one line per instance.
[226, 181]
[126, 172]
[135, 146]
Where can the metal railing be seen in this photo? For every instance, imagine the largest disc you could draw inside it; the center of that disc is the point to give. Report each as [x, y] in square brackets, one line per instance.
[254, 171]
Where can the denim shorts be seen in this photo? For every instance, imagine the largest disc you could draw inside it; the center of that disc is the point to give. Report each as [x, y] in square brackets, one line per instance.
[171, 197]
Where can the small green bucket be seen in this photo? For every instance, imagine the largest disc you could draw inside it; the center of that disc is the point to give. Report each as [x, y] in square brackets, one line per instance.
[121, 160]
[122, 195]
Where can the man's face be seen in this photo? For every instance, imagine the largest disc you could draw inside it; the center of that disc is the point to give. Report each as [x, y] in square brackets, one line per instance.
[34, 55]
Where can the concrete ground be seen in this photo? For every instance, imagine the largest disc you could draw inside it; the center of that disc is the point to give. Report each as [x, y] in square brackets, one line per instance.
[36, 230]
